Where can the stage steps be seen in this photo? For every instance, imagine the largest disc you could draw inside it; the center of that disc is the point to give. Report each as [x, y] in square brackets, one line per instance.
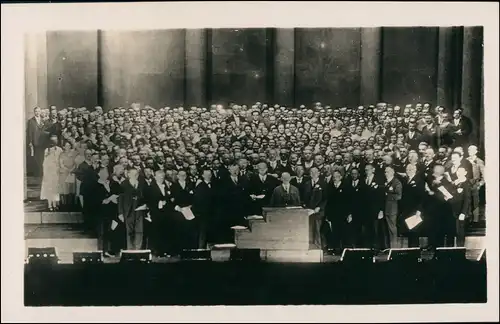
[53, 218]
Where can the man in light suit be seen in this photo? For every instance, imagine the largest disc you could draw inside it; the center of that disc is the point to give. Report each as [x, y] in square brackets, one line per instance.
[393, 193]
[477, 182]
[285, 194]
[314, 198]
[37, 140]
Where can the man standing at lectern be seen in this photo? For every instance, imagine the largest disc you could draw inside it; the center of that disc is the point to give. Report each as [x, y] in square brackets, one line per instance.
[285, 195]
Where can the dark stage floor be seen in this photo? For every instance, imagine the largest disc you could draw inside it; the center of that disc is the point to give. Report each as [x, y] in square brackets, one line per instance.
[232, 283]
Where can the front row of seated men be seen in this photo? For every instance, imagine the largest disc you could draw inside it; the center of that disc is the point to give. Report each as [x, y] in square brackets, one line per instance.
[362, 207]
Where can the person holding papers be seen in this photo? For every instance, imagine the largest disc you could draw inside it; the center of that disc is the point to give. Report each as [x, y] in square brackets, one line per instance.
[393, 193]
[132, 209]
[182, 199]
[460, 205]
[204, 208]
[411, 205]
[438, 207]
[373, 228]
[285, 195]
[314, 200]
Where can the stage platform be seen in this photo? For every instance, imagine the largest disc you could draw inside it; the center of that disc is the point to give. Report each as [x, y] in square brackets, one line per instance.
[69, 238]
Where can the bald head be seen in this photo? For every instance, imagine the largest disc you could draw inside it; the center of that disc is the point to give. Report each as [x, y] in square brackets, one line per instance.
[286, 177]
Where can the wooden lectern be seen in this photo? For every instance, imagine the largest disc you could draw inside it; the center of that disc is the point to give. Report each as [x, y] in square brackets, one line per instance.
[281, 229]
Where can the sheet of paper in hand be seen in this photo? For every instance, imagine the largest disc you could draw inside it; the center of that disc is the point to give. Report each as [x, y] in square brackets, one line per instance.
[260, 196]
[140, 208]
[114, 224]
[187, 213]
[445, 192]
[413, 221]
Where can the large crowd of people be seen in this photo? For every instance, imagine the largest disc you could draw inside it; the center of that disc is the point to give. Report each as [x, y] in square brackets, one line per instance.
[174, 178]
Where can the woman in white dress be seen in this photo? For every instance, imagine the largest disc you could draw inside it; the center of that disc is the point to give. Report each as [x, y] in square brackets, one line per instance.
[67, 180]
[50, 181]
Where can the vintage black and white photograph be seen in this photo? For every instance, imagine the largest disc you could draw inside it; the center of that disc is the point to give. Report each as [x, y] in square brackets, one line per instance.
[255, 166]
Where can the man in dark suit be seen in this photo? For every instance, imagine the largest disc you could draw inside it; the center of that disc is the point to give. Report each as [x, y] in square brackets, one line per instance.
[314, 199]
[37, 141]
[131, 199]
[299, 181]
[182, 194]
[355, 189]
[393, 193]
[372, 232]
[272, 163]
[438, 207]
[430, 131]
[87, 174]
[260, 185]
[283, 164]
[460, 205]
[413, 136]
[411, 203]
[337, 210]
[428, 164]
[457, 161]
[160, 232]
[462, 127]
[234, 198]
[204, 207]
[285, 195]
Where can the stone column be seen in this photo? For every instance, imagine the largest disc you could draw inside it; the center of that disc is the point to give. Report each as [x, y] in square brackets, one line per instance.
[35, 83]
[444, 77]
[371, 39]
[284, 66]
[195, 68]
[471, 77]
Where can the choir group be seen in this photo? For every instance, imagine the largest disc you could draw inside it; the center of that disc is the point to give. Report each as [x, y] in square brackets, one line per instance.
[173, 178]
